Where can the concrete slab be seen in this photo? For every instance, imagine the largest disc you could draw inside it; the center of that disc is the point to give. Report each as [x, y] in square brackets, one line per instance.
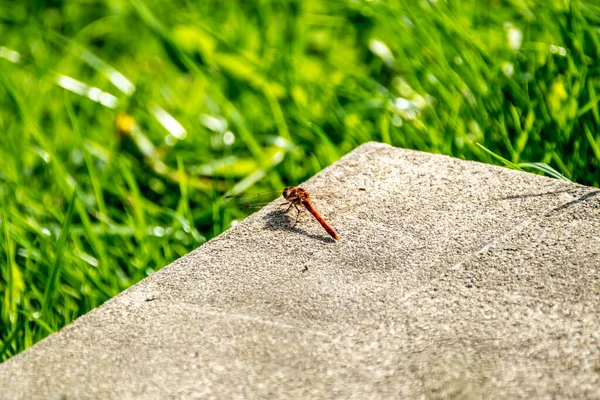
[451, 279]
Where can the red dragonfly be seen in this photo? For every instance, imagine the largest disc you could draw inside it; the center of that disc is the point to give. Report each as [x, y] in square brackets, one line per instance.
[295, 196]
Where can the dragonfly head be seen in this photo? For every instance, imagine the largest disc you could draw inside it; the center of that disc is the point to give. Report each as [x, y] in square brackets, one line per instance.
[295, 194]
[289, 193]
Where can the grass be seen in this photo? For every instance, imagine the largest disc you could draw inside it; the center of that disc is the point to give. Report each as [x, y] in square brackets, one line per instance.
[124, 122]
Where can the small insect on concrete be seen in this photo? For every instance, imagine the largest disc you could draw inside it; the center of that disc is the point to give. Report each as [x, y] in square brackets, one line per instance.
[295, 196]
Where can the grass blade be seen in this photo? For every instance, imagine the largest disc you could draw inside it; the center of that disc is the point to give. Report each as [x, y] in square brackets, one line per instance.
[546, 169]
[55, 268]
[500, 158]
[11, 336]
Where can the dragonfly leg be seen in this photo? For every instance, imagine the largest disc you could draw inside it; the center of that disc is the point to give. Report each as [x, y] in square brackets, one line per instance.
[297, 215]
[288, 209]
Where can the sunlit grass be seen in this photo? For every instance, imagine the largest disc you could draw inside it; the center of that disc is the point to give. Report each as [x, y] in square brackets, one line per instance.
[125, 122]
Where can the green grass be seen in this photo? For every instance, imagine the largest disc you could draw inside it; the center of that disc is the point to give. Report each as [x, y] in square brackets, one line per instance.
[231, 95]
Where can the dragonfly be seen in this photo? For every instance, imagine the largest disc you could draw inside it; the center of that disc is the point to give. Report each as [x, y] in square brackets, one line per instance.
[295, 197]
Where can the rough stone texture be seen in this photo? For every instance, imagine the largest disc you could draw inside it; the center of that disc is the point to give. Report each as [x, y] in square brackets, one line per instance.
[451, 279]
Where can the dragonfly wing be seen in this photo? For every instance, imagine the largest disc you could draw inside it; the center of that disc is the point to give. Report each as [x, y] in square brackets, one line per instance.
[249, 203]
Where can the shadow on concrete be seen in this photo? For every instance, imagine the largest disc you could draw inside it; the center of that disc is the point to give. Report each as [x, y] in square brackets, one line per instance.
[280, 220]
[576, 201]
[561, 207]
[525, 196]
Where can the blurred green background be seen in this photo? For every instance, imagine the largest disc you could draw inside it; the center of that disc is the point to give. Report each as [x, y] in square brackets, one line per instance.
[124, 122]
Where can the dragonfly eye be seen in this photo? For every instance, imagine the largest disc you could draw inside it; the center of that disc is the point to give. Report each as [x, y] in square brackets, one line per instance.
[287, 192]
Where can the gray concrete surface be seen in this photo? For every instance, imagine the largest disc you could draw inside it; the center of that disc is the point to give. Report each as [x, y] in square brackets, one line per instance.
[451, 279]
